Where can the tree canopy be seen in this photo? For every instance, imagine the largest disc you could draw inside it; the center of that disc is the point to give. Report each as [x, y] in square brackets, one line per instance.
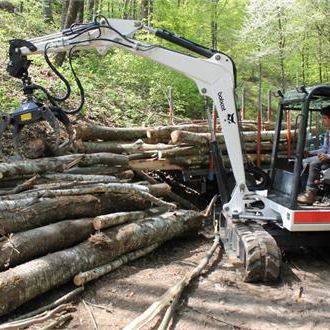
[284, 42]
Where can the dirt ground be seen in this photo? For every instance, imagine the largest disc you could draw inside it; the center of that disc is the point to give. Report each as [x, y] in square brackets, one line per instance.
[217, 300]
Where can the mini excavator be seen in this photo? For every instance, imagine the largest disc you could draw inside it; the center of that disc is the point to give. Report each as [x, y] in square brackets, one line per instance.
[250, 220]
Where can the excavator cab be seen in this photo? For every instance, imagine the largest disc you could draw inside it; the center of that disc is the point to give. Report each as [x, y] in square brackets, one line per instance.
[287, 172]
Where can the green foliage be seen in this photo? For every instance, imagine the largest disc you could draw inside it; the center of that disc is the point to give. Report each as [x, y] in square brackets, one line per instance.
[132, 90]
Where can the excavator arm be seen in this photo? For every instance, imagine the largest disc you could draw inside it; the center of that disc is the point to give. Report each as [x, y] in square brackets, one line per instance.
[214, 74]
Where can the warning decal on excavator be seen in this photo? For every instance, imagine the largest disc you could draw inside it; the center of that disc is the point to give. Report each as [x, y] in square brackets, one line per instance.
[312, 217]
[26, 116]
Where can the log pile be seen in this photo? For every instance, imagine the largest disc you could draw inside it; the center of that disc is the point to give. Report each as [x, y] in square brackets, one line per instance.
[171, 147]
[79, 215]
[57, 224]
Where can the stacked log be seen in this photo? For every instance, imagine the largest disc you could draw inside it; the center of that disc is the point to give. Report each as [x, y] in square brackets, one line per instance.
[177, 147]
[51, 218]
[82, 214]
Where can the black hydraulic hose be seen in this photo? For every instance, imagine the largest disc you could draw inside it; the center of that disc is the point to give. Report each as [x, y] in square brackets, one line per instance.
[80, 87]
[58, 74]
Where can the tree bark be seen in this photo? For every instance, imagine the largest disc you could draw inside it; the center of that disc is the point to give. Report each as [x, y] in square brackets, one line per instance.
[70, 207]
[59, 164]
[120, 147]
[115, 219]
[72, 7]
[91, 132]
[184, 137]
[25, 246]
[24, 282]
[93, 274]
[47, 10]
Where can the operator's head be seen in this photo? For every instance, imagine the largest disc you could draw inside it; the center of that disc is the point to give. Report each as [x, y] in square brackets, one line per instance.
[325, 112]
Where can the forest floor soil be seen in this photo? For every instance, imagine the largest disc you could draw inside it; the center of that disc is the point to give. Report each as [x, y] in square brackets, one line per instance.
[219, 299]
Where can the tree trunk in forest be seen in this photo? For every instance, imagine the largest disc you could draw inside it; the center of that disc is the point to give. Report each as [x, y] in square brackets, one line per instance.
[24, 282]
[52, 210]
[281, 47]
[125, 14]
[89, 10]
[47, 10]
[73, 7]
[214, 24]
[65, 6]
[80, 13]
[27, 245]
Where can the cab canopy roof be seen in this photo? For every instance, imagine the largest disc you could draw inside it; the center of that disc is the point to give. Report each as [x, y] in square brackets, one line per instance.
[319, 96]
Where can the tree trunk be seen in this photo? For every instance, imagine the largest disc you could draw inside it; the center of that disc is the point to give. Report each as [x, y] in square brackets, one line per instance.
[70, 18]
[22, 283]
[47, 10]
[89, 10]
[80, 12]
[59, 164]
[38, 242]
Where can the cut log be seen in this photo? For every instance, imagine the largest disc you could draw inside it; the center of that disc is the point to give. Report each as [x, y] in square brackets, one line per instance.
[24, 282]
[159, 189]
[163, 133]
[70, 207]
[91, 275]
[203, 138]
[98, 188]
[18, 204]
[96, 170]
[121, 147]
[90, 132]
[25, 246]
[115, 219]
[153, 165]
[59, 164]
[80, 177]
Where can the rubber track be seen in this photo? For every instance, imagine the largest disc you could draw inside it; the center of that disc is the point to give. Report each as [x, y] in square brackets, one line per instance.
[259, 251]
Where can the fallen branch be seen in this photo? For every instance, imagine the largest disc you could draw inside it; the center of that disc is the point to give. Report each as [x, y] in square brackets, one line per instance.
[64, 299]
[171, 296]
[59, 322]
[91, 275]
[90, 312]
[37, 319]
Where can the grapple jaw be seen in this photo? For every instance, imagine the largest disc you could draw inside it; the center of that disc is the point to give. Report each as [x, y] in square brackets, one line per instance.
[32, 112]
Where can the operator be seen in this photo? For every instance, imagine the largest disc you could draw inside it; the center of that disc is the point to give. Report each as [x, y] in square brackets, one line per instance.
[320, 159]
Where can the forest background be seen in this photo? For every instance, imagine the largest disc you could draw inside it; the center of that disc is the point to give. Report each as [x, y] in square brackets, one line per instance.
[276, 44]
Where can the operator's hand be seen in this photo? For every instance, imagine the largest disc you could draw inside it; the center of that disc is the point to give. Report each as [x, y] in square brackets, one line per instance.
[322, 157]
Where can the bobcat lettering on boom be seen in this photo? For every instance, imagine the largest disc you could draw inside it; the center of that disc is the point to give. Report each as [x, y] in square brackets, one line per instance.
[222, 102]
